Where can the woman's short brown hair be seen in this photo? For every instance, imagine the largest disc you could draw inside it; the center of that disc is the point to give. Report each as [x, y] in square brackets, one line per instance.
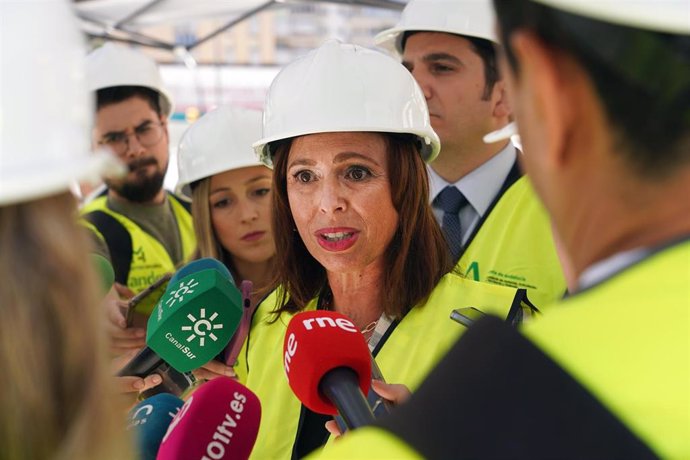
[416, 258]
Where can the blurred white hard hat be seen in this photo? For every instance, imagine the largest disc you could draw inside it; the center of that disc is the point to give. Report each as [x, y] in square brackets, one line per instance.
[471, 18]
[671, 16]
[341, 87]
[45, 107]
[116, 65]
[219, 141]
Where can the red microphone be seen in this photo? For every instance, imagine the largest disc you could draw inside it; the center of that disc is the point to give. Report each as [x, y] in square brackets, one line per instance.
[328, 365]
[220, 420]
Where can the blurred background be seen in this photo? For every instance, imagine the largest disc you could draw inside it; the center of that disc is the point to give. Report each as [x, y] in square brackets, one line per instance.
[218, 52]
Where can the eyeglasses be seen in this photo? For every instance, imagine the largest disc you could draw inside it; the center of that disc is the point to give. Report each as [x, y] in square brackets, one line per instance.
[148, 134]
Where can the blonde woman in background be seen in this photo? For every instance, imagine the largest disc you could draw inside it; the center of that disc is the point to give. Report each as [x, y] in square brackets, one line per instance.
[57, 400]
[231, 193]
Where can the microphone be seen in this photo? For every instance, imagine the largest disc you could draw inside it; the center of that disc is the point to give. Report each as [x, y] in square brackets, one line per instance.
[201, 264]
[235, 345]
[142, 304]
[150, 420]
[220, 420]
[105, 271]
[192, 323]
[328, 365]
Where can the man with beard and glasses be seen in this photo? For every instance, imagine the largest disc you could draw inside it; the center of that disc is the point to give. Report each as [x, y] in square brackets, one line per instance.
[144, 230]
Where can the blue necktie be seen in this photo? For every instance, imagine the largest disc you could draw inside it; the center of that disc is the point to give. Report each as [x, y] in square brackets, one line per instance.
[451, 201]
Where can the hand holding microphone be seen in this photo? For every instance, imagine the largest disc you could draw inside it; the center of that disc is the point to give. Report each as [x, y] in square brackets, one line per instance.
[190, 325]
[328, 365]
[220, 420]
[132, 384]
[192, 322]
[393, 393]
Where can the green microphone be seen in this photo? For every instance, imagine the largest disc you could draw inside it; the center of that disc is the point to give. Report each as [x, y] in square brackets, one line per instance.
[192, 322]
[195, 319]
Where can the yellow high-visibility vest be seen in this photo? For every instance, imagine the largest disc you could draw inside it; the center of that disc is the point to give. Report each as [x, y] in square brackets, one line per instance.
[626, 341]
[149, 260]
[514, 247]
[413, 348]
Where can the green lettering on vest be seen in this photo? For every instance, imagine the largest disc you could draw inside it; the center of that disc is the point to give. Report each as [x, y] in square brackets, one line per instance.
[139, 254]
[474, 268]
[144, 281]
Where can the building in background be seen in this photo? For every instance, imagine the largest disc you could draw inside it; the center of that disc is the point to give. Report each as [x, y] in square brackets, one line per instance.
[204, 68]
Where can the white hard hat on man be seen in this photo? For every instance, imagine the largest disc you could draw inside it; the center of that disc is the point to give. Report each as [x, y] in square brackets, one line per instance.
[116, 65]
[45, 106]
[471, 18]
[341, 87]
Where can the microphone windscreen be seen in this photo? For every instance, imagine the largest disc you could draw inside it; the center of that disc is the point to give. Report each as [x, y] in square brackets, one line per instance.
[201, 264]
[220, 420]
[104, 270]
[150, 420]
[317, 342]
[196, 316]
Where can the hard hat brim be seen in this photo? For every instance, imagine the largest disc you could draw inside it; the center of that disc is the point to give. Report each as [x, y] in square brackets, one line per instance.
[430, 147]
[50, 180]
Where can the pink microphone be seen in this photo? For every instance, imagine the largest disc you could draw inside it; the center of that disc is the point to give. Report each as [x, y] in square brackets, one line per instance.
[220, 420]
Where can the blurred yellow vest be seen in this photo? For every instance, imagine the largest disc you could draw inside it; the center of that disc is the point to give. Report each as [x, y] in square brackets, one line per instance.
[149, 260]
[514, 247]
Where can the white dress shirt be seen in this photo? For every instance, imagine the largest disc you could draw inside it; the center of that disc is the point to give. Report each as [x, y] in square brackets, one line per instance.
[480, 187]
[604, 269]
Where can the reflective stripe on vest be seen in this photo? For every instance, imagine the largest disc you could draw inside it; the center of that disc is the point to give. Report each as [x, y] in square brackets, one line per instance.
[514, 247]
[627, 341]
[149, 259]
[423, 336]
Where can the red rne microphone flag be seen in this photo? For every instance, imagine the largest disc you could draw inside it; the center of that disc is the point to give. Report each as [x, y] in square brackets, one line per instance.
[317, 342]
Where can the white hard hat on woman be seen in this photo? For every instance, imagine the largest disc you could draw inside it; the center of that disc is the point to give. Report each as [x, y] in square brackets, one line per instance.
[219, 141]
[341, 87]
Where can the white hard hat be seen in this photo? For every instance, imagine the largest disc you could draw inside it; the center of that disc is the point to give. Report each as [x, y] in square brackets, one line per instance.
[219, 141]
[471, 18]
[45, 109]
[116, 65]
[670, 16]
[340, 87]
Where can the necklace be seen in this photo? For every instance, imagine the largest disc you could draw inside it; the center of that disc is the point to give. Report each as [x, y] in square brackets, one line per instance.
[326, 303]
[370, 327]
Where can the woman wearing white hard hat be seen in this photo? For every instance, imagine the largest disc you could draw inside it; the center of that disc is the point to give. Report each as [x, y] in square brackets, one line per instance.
[230, 192]
[347, 132]
[57, 399]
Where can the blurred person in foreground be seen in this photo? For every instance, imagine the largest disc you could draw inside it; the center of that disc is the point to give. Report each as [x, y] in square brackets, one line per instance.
[57, 401]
